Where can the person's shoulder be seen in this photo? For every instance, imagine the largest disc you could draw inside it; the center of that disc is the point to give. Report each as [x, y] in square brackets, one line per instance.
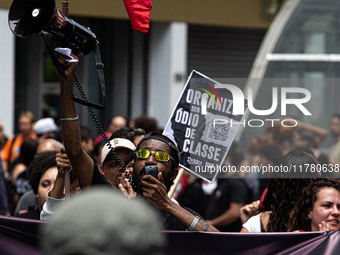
[255, 217]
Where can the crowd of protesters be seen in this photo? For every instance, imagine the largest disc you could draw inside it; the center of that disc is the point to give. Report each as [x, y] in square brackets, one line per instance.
[44, 163]
[225, 204]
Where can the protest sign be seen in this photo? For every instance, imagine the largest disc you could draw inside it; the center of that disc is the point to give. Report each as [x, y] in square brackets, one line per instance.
[203, 125]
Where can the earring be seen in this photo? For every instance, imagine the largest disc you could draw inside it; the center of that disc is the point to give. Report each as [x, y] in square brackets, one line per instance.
[308, 217]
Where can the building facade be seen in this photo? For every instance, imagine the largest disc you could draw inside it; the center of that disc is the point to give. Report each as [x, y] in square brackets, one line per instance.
[144, 74]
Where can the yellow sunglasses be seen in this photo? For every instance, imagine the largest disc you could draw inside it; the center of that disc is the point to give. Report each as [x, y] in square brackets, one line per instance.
[159, 155]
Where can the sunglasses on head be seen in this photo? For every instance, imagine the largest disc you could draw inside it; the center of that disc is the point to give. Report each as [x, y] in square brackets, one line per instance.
[159, 155]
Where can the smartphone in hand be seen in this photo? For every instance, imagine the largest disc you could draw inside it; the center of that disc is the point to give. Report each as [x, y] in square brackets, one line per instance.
[152, 170]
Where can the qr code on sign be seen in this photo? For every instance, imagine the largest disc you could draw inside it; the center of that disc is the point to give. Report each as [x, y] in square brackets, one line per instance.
[219, 130]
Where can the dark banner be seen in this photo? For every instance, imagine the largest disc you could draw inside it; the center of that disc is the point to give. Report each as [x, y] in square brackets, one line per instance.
[253, 243]
[20, 236]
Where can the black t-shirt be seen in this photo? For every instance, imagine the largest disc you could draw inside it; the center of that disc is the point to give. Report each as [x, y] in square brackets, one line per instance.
[194, 197]
[228, 190]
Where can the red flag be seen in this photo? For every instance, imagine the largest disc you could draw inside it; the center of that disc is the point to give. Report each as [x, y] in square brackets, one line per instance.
[139, 14]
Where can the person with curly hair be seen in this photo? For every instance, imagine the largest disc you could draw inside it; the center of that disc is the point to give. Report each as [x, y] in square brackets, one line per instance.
[42, 174]
[282, 194]
[318, 208]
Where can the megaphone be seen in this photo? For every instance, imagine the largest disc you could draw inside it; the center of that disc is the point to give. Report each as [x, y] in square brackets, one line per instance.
[27, 18]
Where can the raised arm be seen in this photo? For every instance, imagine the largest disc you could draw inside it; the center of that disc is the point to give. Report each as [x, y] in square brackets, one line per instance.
[80, 160]
[55, 198]
[320, 133]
